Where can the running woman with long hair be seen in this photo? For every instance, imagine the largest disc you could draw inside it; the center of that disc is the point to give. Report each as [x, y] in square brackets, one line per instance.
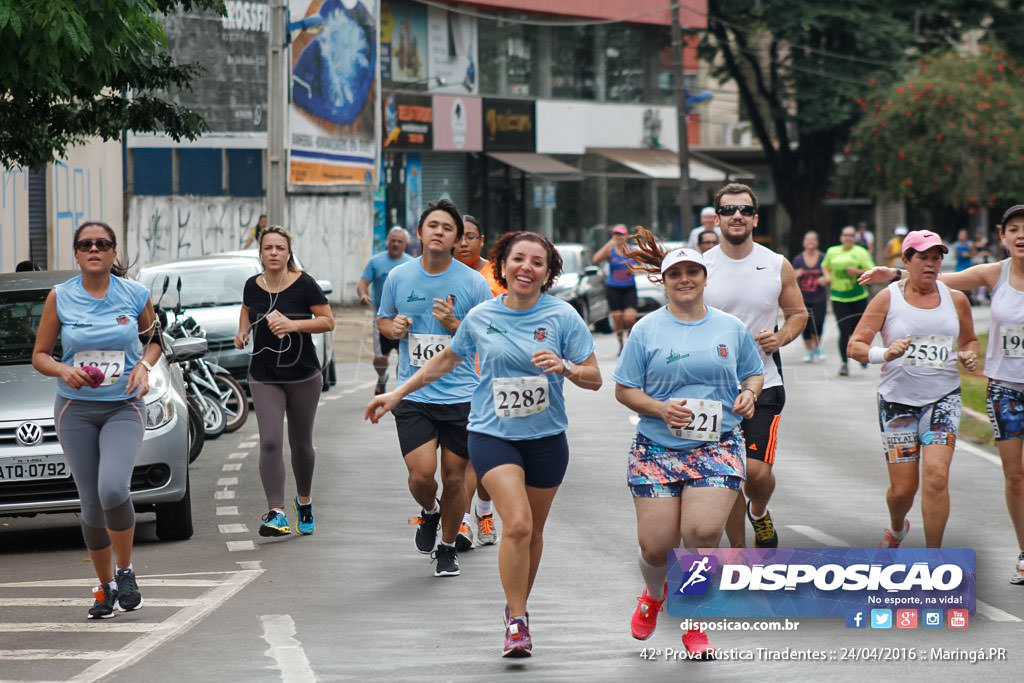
[620, 286]
[692, 373]
[1004, 359]
[529, 343]
[926, 328]
[282, 308]
[109, 343]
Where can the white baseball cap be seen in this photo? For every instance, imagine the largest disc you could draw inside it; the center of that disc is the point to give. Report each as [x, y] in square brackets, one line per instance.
[682, 255]
[900, 230]
[707, 211]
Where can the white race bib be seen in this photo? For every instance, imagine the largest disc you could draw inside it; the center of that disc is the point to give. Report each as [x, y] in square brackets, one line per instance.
[1011, 341]
[707, 420]
[110, 363]
[423, 347]
[520, 396]
[928, 350]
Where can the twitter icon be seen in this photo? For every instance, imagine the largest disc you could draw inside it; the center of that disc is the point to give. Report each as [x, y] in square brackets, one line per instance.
[881, 618]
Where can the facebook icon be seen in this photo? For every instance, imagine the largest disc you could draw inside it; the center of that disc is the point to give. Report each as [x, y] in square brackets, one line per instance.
[856, 619]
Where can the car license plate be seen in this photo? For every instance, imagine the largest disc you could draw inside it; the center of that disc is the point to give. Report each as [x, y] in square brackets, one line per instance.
[33, 467]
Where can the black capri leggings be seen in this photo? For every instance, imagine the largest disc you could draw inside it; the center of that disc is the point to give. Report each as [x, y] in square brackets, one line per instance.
[815, 320]
[847, 315]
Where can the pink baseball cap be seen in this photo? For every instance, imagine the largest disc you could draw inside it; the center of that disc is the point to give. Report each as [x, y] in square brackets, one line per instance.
[682, 255]
[620, 229]
[922, 240]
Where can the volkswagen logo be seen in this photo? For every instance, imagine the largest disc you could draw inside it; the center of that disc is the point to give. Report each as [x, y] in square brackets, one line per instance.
[29, 434]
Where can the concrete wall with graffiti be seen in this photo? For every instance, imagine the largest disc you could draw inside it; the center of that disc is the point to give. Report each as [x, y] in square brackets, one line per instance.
[87, 185]
[333, 234]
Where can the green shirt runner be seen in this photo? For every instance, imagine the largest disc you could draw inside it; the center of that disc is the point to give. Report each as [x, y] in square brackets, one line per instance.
[837, 260]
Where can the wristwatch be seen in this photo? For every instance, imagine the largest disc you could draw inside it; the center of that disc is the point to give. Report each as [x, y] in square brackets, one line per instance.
[568, 365]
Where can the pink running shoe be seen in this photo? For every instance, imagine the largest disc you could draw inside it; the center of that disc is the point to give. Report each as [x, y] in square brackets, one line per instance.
[893, 540]
[645, 617]
[517, 638]
[697, 644]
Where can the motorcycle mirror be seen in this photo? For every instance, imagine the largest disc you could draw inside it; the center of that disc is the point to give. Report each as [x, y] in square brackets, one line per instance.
[177, 305]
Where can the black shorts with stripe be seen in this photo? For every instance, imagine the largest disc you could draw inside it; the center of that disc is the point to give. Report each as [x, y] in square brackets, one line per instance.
[760, 432]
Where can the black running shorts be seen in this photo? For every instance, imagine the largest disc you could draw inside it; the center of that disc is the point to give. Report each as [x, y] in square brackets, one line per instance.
[760, 431]
[419, 423]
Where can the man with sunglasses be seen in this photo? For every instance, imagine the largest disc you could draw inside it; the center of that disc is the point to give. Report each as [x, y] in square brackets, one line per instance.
[752, 283]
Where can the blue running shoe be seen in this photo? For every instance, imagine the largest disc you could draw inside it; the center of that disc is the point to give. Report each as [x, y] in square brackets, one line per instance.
[275, 524]
[304, 513]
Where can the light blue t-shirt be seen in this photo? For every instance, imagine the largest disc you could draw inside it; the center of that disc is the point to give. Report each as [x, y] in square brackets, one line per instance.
[377, 269]
[506, 341]
[672, 358]
[107, 324]
[409, 290]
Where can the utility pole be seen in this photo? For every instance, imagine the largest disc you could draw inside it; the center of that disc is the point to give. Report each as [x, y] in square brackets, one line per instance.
[276, 166]
[685, 203]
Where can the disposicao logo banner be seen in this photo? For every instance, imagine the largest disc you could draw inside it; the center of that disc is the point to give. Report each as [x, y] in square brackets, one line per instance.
[817, 582]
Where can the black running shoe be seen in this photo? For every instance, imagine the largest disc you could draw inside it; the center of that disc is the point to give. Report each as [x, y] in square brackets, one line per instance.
[447, 560]
[765, 535]
[426, 531]
[105, 595]
[128, 596]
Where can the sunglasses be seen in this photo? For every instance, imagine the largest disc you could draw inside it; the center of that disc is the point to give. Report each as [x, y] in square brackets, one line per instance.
[709, 242]
[101, 244]
[730, 209]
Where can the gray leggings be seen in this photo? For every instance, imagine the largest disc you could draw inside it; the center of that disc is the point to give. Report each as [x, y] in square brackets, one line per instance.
[272, 402]
[101, 440]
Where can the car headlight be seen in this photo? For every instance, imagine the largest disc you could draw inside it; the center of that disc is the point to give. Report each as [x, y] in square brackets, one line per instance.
[160, 411]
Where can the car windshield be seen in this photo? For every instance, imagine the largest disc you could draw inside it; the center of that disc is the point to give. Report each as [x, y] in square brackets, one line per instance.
[202, 284]
[20, 312]
[570, 260]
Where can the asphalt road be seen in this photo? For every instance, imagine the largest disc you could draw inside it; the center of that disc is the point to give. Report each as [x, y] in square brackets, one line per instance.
[356, 601]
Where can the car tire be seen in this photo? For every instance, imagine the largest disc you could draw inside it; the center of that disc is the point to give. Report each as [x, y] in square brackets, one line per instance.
[196, 435]
[236, 407]
[174, 520]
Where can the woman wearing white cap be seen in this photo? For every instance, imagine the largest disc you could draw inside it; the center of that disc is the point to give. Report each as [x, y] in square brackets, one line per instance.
[1004, 359]
[692, 372]
[926, 327]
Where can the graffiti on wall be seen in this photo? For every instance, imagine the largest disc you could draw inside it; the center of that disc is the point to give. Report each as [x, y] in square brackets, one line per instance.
[333, 234]
[77, 196]
[13, 217]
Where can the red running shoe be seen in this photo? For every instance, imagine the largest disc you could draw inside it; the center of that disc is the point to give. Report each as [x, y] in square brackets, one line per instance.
[697, 644]
[645, 617]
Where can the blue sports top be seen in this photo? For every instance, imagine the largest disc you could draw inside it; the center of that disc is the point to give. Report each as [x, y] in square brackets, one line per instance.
[409, 290]
[619, 274]
[107, 324]
[671, 358]
[506, 340]
[376, 272]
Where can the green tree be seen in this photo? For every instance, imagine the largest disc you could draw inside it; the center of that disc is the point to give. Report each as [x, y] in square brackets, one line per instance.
[799, 66]
[73, 69]
[951, 133]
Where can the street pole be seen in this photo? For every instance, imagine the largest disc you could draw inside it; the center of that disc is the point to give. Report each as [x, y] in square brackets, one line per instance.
[275, 179]
[685, 204]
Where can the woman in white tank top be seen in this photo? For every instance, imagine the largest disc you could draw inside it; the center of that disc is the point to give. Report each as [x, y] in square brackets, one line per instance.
[1004, 359]
[922, 323]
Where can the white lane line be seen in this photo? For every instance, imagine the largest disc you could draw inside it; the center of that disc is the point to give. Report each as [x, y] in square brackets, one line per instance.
[285, 650]
[964, 445]
[233, 528]
[87, 603]
[227, 481]
[332, 398]
[224, 495]
[248, 444]
[177, 624]
[983, 608]
[237, 456]
[231, 467]
[237, 546]
[145, 580]
[359, 388]
[25, 655]
[818, 535]
[97, 625]
[227, 510]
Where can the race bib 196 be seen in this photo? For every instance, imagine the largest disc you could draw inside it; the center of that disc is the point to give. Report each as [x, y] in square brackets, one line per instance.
[520, 396]
[928, 350]
[110, 363]
[423, 347]
[1011, 338]
[707, 421]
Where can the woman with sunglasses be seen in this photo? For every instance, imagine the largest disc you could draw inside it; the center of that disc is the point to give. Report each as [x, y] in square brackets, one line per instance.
[692, 373]
[109, 343]
[281, 308]
[926, 328]
[842, 264]
[528, 343]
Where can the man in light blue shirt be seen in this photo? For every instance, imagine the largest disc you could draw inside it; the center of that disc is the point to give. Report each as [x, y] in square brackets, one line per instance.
[375, 273]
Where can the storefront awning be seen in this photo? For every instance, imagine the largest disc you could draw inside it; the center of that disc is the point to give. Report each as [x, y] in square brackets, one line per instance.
[660, 163]
[541, 165]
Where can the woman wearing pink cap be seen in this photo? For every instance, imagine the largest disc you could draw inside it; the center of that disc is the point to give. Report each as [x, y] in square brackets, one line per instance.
[620, 287]
[1004, 359]
[692, 373]
[922, 322]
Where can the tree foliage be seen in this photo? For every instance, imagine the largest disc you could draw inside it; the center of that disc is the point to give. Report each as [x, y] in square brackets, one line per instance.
[73, 69]
[951, 133]
[800, 65]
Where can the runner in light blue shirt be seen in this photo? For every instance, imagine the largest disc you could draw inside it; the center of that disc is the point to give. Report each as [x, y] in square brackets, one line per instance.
[375, 274]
